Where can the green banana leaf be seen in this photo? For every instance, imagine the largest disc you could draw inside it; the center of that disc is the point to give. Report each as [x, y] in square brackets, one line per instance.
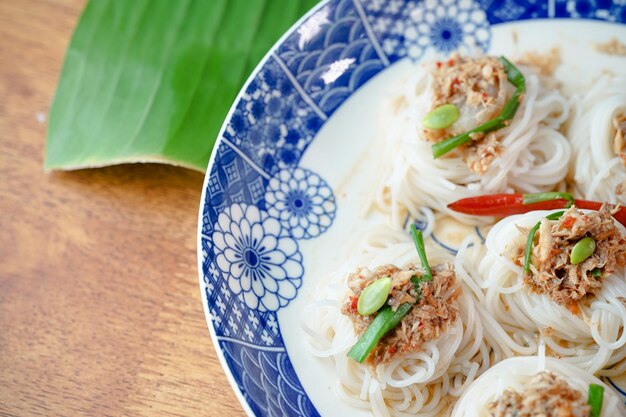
[152, 80]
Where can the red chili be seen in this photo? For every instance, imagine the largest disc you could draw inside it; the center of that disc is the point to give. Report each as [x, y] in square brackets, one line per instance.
[568, 222]
[354, 304]
[438, 64]
[451, 62]
[456, 81]
[391, 350]
[502, 205]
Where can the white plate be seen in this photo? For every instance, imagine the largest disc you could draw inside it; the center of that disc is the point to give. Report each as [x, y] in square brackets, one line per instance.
[289, 176]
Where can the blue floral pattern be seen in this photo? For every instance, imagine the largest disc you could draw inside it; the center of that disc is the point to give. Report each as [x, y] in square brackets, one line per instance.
[499, 11]
[449, 25]
[263, 267]
[302, 201]
[231, 317]
[595, 9]
[272, 124]
[412, 28]
[258, 202]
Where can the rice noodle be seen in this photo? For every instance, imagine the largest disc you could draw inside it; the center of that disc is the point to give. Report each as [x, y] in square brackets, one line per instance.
[535, 156]
[595, 168]
[593, 340]
[515, 373]
[418, 384]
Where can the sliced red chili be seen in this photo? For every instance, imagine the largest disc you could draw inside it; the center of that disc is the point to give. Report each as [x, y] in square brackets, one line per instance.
[354, 303]
[502, 205]
[568, 222]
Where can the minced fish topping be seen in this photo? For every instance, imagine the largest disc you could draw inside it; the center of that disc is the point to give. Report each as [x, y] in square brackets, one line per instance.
[434, 312]
[545, 395]
[479, 88]
[551, 270]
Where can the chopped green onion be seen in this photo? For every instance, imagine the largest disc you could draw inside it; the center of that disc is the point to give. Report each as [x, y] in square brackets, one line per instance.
[596, 395]
[582, 250]
[418, 240]
[516, 78]
[539, 197]
[513, 74]
[374, 296]
[596, 272]
[442, 117]
[385, 321]
[447, 145]
[531, 236]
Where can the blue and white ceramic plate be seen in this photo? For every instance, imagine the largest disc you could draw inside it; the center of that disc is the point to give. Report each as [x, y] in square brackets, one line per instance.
[290, 170]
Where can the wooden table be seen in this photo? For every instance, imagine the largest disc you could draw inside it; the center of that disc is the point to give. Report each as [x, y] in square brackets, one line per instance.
[100, 310]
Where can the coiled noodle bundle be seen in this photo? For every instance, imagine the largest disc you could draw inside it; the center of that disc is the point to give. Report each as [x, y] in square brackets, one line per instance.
[593, 340]
[535, 156]
[515, 373]
[418, 384]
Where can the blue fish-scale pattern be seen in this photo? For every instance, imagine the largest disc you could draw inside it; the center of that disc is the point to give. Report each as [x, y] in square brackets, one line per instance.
[272, 124]
[231, 317]
[267, 381]
[334, 57]
[231, 180]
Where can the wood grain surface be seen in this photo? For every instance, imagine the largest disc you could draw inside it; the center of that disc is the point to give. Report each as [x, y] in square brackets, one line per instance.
[100, 310]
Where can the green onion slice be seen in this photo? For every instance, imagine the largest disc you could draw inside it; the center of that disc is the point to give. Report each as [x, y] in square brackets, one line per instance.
[385, 321]
[442, 117]
[418, 240]
[539, 197]
[374, 296]
[582, 250]
[596, 272]
[596, 395]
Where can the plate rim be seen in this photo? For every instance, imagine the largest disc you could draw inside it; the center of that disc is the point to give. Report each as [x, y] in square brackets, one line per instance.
[208, 318]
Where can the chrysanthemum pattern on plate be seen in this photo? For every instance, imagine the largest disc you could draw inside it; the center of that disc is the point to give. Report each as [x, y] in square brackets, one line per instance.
[302, 201]
[416, 28]
[230, 316]
[262, 266]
